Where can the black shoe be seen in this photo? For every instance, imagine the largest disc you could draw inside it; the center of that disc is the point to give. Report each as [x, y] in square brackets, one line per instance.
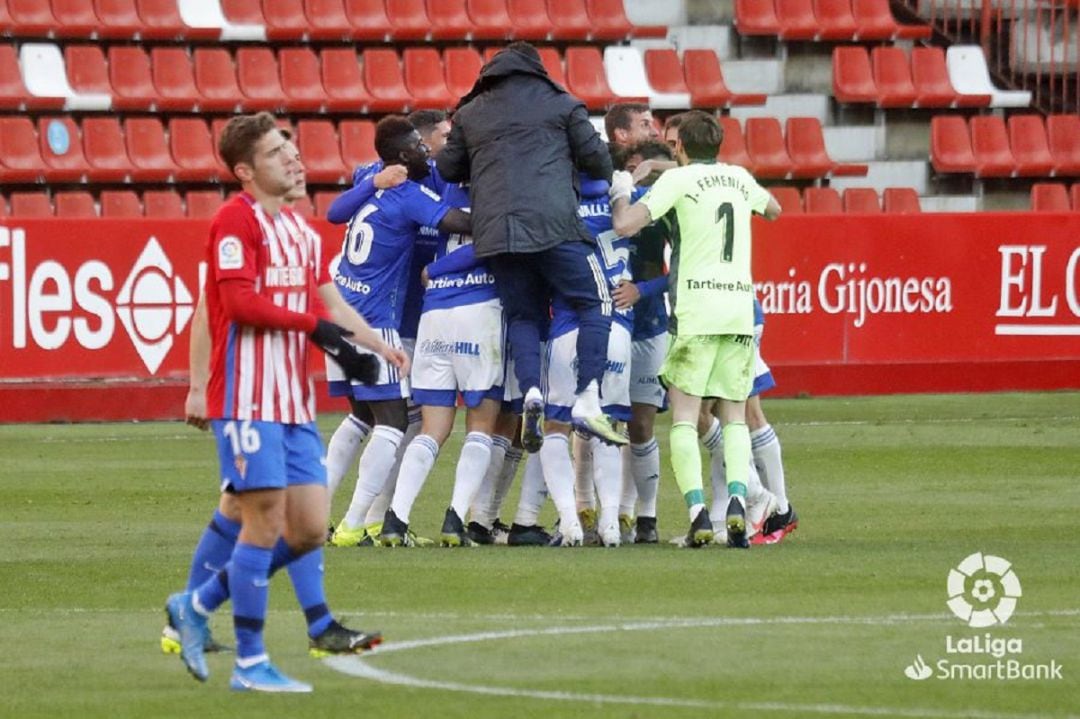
[395, 533]
[736, 524]
[788, 522]
[329, 533]
[453, 530]
[527, 536]
[339, 639]
[479, 534]
[532, 427]
[646, 531]
[701, 531]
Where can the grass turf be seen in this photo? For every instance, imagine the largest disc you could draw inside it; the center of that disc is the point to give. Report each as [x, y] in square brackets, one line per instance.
[98, 523]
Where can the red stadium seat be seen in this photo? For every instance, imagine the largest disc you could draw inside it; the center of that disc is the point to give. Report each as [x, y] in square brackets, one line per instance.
[553, 63]
[118, 19]
[202, 203]
[343, 81]
[243, 12]
[765, 143]
[449, 20]
[1050, 197]
[789, 198]
[384, 80]
[163, 204]
[318, 142]
[61, 149]
[1063, 133]
[853, 80]
[863, 200]
[174, 80]
[1074, 193]
[1029, 145]
[301, 80]
[285, 20]
[797, 21]
[31, 204]
[569, 20]
[161, 21]
[13, 92]
[368, 19]
[357, 142]
[327, 20]
[77, 204]
[822, 201]
[990, 144]
[86, 69]
[30, 18]
[120, 204]
[835, 21]
[215, 78]
[950, 145]
[490, 19]
[74, 18]
[530, 19]
[875, 21]
[5, 210]
[192, 150]
[892, 76]
[705, 81]
[424, 79]
[665, 72]
[756, 17]
[103, 146]
[806, 148]
[901, 200]
[149, 153]
[609, 21]
[933, 88]
[733, 148]
[408, 19]
[303, 207]
[20, 158]
[462, 66]
[586, 77]
[257, 77]
[323, 200]
[131, 79]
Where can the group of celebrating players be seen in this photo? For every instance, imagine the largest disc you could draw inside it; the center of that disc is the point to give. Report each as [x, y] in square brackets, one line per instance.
[414, 315]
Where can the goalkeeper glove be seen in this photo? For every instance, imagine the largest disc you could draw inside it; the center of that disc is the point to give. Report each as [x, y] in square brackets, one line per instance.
[330, 338]
[622, 184]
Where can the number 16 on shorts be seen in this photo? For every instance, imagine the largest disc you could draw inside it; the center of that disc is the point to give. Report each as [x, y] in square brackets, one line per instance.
[251, 453]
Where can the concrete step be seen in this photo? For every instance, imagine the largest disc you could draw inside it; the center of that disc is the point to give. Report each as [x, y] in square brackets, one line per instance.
[882, 174]
[949, 203]
[719, 38]
[855, 143]
[781, 106]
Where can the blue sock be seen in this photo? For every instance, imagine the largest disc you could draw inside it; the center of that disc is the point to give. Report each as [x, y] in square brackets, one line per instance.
[213, 550]
[249, 586]
[525, 349]
[306, 573]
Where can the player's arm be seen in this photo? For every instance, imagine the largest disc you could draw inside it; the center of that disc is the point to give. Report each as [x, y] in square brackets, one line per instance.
[455, 221]
[772, 210]
[590, 153]
[648, 167]
[198, 367]
[461, 259]
[348, 203]
[359, 331]
[453, 160]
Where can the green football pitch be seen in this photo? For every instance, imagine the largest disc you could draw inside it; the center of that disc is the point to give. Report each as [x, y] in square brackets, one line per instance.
[97, 525]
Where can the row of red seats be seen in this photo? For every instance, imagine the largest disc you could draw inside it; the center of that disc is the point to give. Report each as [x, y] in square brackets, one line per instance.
[823, 20]
[1054, 197]
[697, 73]
[331, 19]
[158, 204]
[138, 149]
[1028, 147]
[863, 200]
[885, 76]
[770, 151]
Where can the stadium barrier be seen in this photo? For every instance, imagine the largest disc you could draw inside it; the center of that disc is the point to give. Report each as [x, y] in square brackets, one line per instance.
[95, 315]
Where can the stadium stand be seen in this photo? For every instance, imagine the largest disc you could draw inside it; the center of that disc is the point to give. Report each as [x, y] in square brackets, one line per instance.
[162, 204]
[1050, 197]
[822, 201]
[1063, 138]
[901, 200]
[862, 200]
[77, 204]
[32, 204]
[122, 204]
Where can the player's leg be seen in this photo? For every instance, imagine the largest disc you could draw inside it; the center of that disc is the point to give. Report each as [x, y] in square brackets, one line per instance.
[343, 449]
[555, 459]
[584, 484]
[525, 530]
[436, 425]
[484, 510]
[647, 397]
[377, 512]
[607, 458]
[768, 460]
[471, 467]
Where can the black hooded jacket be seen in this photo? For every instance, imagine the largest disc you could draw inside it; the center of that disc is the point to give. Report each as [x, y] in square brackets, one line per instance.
[519, 138]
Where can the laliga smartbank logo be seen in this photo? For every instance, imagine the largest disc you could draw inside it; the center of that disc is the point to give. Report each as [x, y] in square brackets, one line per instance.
[983, 591]
[53, 304]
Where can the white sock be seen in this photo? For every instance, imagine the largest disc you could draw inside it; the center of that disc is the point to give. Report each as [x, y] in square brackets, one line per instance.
[375, 465]
[607, 474]
[558, 476]
[342, 449]
[533, 493]
[478, 512]
[629, 488]
[377, 511]
[587, 404]
[583, 473]
[471, 468]
[718, 475]
[416, 464]
[713, 439]
[765, 447]
[506, 478]
[645, 467]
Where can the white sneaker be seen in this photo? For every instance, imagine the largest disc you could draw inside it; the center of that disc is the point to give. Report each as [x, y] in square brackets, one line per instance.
[611, 535]
[758, 510]
[572, 534]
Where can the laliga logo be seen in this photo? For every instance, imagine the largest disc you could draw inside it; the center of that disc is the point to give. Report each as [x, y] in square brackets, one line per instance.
[983, 590]
[153, 305]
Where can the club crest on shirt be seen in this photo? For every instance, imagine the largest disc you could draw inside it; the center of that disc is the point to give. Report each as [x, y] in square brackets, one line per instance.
[230, 254]
[240, 462]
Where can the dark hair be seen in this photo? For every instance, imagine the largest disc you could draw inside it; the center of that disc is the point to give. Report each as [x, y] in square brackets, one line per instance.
[390, 136]
[241, 133]
[618, 117]
[524, 48]
[652, 150]
[425, 120]
[701, 135]
[674, 121]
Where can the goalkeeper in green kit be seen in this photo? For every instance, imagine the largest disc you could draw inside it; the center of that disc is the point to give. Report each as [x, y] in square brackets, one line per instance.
[711, 349]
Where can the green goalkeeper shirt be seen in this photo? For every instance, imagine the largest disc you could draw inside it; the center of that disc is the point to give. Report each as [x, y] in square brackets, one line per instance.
[709, 284]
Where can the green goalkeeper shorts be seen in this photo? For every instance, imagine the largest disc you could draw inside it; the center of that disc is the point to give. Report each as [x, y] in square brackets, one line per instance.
[710, 365]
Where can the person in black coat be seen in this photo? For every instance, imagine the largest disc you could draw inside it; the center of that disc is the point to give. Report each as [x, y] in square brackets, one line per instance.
[520, 139]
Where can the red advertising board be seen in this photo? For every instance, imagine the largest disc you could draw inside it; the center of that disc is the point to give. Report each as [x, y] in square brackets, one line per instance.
[94, 315]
